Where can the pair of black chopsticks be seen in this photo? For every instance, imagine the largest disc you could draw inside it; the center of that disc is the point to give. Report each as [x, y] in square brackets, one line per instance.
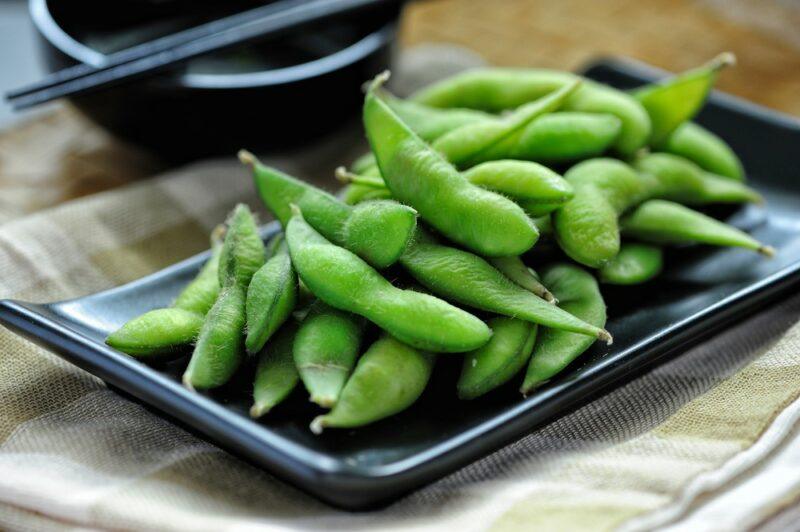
[159, 54]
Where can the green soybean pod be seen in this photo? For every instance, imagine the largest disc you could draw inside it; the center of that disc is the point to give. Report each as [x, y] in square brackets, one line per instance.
[344, 281]
[468, 279]
[499, 360]
[681, 180]
[429, 122]
[418, 176]
[325, 351]
[479, 142]
[200, 294]
[530, 184]
[587, 226]
[377, 231]
[705, 149]
[388, 378]
[578, 294]
[276, 375]
[158, 332]
[220, 345]
[493, 89]
[666, 222]
[634, 264]
[673, 101]
[271, 298]
[567, 136]
[243, 250]
[521, 180]
[515, 269]
[597, 98]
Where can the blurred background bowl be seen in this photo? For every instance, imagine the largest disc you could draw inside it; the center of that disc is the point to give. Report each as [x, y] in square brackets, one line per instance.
[266, 96]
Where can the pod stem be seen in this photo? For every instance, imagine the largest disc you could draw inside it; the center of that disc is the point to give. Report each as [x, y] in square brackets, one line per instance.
[345, 176]
[605, 336]
[317, 425]
[767, 251]
[256, 411]
[378, 81]
[725, 59]
[247, 158]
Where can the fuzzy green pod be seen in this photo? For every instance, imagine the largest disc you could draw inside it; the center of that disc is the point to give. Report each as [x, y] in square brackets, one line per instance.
[388, 378]
[468, 279]
[276, 375]
[683, 181]
[521, 180]
[499, 360]
[578, 294]
[158, 332]
[587, 226]
[220, 345]
[325, 351]
[479, 142]
[566, 136]
[705, 149]
[200, 294]
[634, 264]
[343, 280]
[418, 176]
[499, 89]
[429, 122]
[676, 100]
[271, 298]
[377, 231]
[666, 222]
[243, 250]
[355, 193]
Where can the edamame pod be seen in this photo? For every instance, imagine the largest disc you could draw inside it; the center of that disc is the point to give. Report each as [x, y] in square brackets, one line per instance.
[673, 101]
[158, 332]
[220, 345]
[565, 136]
[377, 231]
[276, 375]
[429, 122]
[515, 269]
[578, 294]
[389, 377]
[498, 89]
[355, 193]
[634, 264]
[587, 226]
[417, 175]
[499, 360]
[705, 149]
[271, 298]
[666, 222]
[468, 279]
[532, 185]
[343, 280]
[681, 180]
[200, 294]
[476, 143]
[325, 351]
[243, 250]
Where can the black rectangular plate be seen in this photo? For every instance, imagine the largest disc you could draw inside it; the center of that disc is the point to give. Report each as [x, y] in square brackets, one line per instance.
[702, 290]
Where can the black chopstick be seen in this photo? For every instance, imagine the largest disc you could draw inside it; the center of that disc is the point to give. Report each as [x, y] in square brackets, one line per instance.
[165, 52]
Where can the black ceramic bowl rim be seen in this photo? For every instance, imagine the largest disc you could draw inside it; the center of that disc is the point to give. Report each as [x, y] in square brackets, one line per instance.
[357, 51]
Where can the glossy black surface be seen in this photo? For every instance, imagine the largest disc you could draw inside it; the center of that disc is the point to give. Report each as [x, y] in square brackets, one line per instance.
[702, 290]
[266, 96]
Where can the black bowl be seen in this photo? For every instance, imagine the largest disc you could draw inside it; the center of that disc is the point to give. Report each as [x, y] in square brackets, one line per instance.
[266, 96]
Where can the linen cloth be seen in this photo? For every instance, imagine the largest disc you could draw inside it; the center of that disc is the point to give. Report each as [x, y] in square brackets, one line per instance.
[658, 450]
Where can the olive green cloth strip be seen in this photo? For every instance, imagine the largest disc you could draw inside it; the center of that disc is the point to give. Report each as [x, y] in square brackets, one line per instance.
[74, 454]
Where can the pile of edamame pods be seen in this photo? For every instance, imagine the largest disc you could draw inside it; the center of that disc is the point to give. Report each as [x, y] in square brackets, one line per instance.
[425, 253]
